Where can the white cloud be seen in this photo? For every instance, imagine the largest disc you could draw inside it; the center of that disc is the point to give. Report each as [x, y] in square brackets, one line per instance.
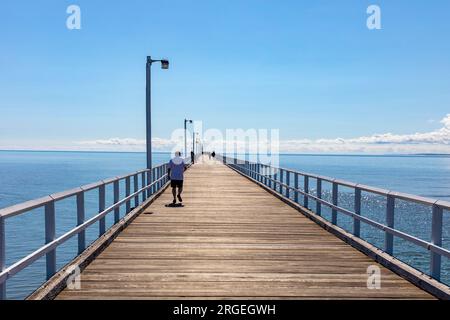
[437, 141]
[126, 144]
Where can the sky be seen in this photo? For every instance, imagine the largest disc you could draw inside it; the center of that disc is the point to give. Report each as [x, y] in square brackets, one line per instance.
[311, 69]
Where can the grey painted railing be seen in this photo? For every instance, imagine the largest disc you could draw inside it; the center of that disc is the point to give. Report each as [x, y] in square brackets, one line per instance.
[280, 178]
[142, 190]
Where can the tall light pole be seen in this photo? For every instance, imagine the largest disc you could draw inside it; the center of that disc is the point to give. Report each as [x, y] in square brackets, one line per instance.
[193, 141]
[185, 136]
[148, 104]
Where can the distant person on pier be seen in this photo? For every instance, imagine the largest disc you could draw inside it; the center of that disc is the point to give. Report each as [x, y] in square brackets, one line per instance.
[213, 154]
[192, 157]
[176, 175]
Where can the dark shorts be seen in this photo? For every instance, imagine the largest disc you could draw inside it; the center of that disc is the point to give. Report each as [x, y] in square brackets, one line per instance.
[176, 183]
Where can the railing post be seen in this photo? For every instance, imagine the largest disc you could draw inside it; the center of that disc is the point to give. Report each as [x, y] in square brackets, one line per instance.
[101, 208]
[356, 222]
[116, 199]
[319, 195]
[266, 172]
[144, 194]
[2, 257]
[275, 178]
[335, 195]
[281, 181]
[127, 193]
[136, 188]
[296, 187]
[389, 238]
[80, 221]
[155, 178]
[288, 183]
[436, 239]
[306, 189]
[50, 231]
[148, 182]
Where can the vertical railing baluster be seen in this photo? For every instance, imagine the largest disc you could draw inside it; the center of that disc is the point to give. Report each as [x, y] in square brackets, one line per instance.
[389, 237]
[101, 208]
[148, 182]
[436, 239]
[127, 194]
[136, 188]
[163, 172]
[275, 179]
[143, 186]
[356, 222]
[155, 178]
[2, 256]
[281, 181]
[80, 221]
[319, 195]
[306, 189]
[296, 187]
[50, 232]
[266, 173]
[335, 196]
[116, 199]
[288, 183]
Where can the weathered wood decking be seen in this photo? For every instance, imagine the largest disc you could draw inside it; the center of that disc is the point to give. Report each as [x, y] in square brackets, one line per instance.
[231, 240]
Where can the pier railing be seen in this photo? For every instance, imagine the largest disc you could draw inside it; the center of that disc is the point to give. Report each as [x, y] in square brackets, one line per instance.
[286, 183]
[139, 186]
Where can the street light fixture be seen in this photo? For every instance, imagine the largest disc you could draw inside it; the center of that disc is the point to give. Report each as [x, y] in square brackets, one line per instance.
[148, 104]
[164, 64]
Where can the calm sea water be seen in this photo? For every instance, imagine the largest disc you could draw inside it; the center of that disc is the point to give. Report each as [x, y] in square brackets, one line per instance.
[29, 175]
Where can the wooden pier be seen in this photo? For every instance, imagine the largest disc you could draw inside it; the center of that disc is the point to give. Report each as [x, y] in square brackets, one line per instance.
[232, 239]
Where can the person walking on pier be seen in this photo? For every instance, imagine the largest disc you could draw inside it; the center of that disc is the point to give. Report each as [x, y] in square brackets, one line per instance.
[176, 175]
[192, 157]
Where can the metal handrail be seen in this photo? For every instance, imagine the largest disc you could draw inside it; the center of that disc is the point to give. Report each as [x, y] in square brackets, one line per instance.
[272, 177]
[157, 177]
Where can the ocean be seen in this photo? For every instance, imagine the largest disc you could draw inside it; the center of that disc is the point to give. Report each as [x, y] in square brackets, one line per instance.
[28, 175]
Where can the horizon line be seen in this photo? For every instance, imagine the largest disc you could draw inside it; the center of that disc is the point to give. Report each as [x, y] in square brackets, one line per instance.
[281, 153]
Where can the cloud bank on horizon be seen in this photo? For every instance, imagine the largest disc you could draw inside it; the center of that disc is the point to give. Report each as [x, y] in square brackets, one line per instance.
[437, 141]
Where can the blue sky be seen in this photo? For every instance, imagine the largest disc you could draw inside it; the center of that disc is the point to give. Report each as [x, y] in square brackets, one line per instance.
[309, 68]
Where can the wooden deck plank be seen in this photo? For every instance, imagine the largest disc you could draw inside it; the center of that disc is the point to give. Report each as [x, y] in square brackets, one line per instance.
[231, 240]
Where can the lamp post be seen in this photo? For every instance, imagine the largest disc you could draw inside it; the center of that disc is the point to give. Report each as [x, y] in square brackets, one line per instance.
[185, 136]
[193, 141]
[197, 141]
[148, 104]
